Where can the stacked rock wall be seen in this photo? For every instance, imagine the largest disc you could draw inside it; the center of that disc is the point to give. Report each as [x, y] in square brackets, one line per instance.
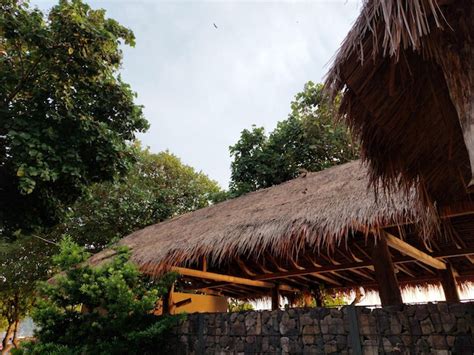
[409, 329]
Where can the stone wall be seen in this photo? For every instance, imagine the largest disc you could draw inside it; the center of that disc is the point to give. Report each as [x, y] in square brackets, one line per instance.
[416, 329]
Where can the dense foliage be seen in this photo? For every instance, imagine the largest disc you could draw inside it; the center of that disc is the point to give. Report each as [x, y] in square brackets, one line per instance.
[107, 309]
[22, 263]
[235, 305]
[157, 187]
[65, 114]
[308, 140]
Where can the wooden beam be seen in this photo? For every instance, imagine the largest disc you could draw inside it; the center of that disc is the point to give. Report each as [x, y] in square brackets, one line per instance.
[407, 249]
[448, 281]
[314, 270]
[389, 291]
[275, 298]
[227, 278]
[454, 253]
[467, 275]
[244, 267]
[405, 269]
[220, 277]
[308, 258]
[362, 273]
[319, 276]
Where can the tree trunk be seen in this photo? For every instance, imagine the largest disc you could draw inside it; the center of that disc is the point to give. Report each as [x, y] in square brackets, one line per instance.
[15, 334]
[6, 345]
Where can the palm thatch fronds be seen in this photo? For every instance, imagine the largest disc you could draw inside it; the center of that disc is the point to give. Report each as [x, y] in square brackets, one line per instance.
[320, 210]
[406, 71]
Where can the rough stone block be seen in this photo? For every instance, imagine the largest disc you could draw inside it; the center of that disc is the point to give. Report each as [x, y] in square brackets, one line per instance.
[238, 328]
[438, 341]
[461, 326]
[448, 321]
[426, 326]
[308, 339]
[395, 325]
[285, 344]
[330, 347]
[421, 312]
[288, 325]
[305, 319]
[336, 326]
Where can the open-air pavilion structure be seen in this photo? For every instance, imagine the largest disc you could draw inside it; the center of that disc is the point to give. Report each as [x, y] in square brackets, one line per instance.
[406, 77]
[325, 228]
[406, 73]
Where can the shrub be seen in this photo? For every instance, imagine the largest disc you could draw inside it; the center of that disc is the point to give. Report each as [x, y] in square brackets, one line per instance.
[107, 309]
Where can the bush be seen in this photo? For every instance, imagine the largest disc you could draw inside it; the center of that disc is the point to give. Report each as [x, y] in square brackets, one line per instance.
[107, 309]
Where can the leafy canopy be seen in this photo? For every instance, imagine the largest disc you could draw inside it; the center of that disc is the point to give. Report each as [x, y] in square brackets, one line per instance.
[158, 187]
[102, 310]
[65, 114]
[308, 140]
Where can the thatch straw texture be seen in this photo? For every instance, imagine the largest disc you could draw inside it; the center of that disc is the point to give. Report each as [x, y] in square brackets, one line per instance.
[407, 78]
[319, 210]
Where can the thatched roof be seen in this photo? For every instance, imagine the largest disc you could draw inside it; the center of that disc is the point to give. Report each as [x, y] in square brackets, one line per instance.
[406, 73]
[320, 209]
[316, 221]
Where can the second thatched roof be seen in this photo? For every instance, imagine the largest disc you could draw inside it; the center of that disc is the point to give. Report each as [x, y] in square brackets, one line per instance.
[406, 74]
[320, 209]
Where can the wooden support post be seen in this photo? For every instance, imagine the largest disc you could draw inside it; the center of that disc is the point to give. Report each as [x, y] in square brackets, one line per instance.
[448, 281]
[275, 298]
[385, 274]
[166, 302]
[318, 297]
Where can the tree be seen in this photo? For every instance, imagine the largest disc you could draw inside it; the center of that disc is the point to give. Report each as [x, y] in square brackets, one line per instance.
[106, 309]
[22, 263]
[65, 114]
[157, 187]
[308, 140]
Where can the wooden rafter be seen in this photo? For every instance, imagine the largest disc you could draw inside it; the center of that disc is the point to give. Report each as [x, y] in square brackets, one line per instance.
[407, 249]
[244, 267]
[315, 264]
[313, 270]
[227, 278]
[319, 276]
[354, 271]
[405, 269]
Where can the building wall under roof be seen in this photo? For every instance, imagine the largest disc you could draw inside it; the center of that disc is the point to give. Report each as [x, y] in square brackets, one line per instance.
[419, 329]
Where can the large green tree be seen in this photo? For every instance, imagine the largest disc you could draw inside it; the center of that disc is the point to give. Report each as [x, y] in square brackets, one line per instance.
[308, 140]
[65, 114]
[22, 263]
[158, 187]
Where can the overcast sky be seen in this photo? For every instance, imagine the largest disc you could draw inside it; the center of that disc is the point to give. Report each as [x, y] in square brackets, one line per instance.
[201, 85]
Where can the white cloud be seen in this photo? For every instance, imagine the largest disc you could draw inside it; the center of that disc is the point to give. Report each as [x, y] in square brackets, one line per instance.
[201, 86]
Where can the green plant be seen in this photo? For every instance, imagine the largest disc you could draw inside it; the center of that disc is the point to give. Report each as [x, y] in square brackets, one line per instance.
[66, 117]
[106, 309]
[235, 305]
[308, 140]
[158, 186]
